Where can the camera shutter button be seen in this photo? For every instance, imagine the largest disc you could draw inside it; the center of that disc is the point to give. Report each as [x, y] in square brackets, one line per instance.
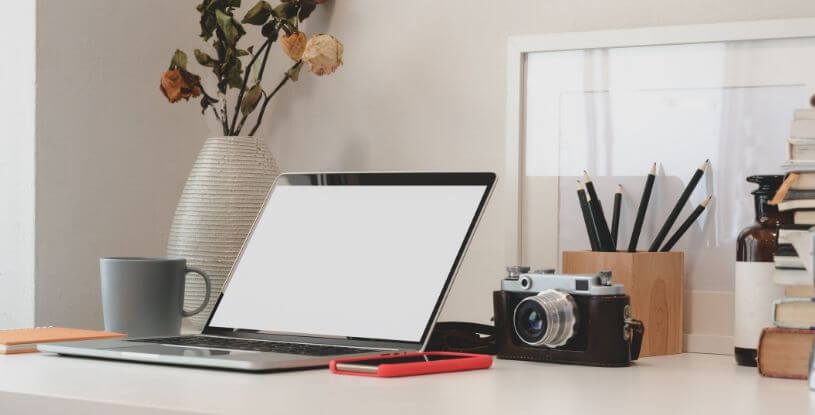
[516, 270]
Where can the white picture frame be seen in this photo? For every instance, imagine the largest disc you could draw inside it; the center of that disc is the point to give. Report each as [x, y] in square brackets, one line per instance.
[701, 307]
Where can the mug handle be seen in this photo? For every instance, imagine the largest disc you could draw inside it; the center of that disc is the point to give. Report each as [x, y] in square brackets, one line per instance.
[200, 308]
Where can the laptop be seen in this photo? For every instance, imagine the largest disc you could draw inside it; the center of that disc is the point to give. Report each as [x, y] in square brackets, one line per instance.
[336, 265]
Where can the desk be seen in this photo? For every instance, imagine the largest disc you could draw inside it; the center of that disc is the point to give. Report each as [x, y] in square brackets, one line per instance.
[681, 384]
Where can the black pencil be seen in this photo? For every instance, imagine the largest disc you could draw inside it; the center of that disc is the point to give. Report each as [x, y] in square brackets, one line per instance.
[597, 216]
[643, 207]
[685, 225]
[615, 214]
[584, 206]
[678, 207]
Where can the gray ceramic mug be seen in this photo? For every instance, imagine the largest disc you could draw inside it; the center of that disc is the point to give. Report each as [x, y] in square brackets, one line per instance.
[144, 296]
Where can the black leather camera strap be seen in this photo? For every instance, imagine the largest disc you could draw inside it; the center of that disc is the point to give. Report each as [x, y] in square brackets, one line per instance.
[456, 336]
[637, 331]
[463, 337]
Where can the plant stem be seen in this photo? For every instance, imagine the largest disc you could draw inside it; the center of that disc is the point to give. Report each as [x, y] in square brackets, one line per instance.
[246, 73]
[260, 77]
[268, 98]
[217, 117]
[225, 117]
[212, 101]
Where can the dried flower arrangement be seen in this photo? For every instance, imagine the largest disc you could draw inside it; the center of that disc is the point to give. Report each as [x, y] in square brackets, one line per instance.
[322, 53]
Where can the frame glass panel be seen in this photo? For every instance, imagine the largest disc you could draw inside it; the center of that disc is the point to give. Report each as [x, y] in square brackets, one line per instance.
[614, 111]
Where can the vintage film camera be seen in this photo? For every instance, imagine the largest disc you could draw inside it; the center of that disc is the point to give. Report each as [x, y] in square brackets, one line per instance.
[559, 318]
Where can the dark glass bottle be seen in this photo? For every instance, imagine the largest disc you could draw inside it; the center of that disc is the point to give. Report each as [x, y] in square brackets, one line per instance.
[754, 288]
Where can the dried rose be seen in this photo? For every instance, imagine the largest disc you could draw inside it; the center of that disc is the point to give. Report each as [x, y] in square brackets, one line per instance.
[178, 83]
[294, 45]
[323, 54]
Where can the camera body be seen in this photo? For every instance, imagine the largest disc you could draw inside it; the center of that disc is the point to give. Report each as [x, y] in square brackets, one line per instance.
[560, 318]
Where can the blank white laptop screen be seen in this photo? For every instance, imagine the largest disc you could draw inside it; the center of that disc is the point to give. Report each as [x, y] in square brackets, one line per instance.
[351, 261]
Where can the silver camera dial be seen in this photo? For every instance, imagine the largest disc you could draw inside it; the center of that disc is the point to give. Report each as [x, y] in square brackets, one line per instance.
[515, 271]
[548, 318]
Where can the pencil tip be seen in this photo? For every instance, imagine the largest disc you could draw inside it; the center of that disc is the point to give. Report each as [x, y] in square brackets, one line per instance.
[619, 188]
[706, 201]
[705, 164]
[579, 185]
[586, 176]
[653, 170]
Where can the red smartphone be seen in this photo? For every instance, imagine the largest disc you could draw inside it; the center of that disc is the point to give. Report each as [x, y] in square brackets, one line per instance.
[410, 364]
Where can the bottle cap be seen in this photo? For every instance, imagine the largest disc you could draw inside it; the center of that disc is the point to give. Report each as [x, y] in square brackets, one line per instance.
[767, 183]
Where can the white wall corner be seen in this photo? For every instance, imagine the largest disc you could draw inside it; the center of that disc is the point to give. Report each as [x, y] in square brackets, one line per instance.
[17, 167]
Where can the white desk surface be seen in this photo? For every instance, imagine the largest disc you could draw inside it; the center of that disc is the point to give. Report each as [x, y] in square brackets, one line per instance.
[681, 384]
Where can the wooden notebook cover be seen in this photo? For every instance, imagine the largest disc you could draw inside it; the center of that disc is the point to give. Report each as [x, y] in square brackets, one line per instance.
[36, 335]
[784, 353]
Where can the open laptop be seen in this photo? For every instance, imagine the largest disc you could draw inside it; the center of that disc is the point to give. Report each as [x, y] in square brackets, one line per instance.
[336, 264]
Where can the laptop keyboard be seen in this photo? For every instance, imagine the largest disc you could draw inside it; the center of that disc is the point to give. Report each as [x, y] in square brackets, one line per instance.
[254, 345]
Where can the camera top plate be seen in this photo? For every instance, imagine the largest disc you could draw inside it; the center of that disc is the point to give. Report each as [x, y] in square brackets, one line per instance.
[577, 284]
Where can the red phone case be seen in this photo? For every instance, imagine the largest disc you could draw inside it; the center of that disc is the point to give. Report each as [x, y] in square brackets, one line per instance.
[387, 370]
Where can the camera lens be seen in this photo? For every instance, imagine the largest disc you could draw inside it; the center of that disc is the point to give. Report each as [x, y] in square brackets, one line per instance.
[546, 319]
[530, 321]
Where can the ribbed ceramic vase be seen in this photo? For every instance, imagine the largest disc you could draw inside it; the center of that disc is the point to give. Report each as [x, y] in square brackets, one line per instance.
[223, 194]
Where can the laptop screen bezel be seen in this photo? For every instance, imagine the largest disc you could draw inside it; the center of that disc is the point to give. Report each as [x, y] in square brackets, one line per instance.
[486, 179]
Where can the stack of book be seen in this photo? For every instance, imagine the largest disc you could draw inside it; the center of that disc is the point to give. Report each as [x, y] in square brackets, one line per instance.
[801, 144]
[797, 194]
[797, 197]
[784, 350]
[790, 268]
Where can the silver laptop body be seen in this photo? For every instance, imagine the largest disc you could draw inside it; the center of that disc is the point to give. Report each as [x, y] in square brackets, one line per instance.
[246, 332]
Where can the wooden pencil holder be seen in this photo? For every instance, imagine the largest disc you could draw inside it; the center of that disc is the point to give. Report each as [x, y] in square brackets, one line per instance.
[655, 283]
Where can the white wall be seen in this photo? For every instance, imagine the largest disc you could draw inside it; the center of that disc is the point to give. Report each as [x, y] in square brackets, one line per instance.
[17, 166]
[423, 87]
[112, 153]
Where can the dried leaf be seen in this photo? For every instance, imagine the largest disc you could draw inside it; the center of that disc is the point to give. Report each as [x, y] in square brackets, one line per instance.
[305, 10]
[258, 14]
[251, 99]
[270, 30]
[294, 71]
[208, 23]
[232, 29]
[179, 60]
[204, 59]
[206, 101]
